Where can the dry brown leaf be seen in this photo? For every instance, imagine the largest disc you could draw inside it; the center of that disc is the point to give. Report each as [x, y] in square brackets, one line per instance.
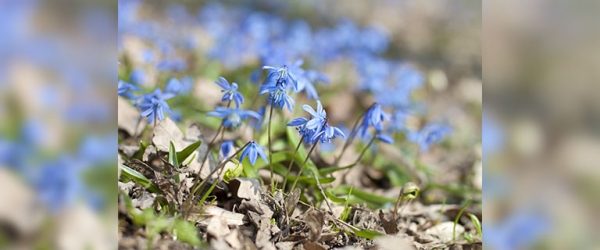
[291, 201]
[128, 117]
[217, 227]
[308, 245]
[390, 226]
[389, 242]
[231, 218]
[246, 188]
[314, 219]
[445, 230]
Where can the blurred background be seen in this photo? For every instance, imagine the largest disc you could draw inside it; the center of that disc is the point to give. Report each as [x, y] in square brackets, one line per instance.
[541, 124]
[58, 124]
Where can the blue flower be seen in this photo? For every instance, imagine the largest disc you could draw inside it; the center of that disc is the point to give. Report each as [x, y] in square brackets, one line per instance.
[230, 92]
[374, 117]
[430, 134]
[307, 128]
[279, 76]
[252, 151]
[153, 105]
[233, 117]
[316, 129]
[327, 134]
[278, 96]
[227, 148]
[125, 89]
[177, 87]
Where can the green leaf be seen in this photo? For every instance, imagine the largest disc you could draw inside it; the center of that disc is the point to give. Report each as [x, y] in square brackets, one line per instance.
[139, 179]
[140, 153]
[186, 232]
[476, 223]
[173, 155]
[187, 151]
[367, 234]
[358, 196]
[334, 198]
[329, 170]
[310, 180]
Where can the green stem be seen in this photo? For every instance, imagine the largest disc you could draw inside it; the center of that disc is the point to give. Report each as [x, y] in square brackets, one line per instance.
[362, 153]
[197, 187]
[270, 149]
[221, 129]
[303, 165]
[351, 136]
[287, 174]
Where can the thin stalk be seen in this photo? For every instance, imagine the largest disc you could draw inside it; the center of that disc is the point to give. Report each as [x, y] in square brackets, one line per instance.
[323, 192]
[198, 186]
[270, 149]
[351, 136]
[212, 142]
[303, 164]
[362, 153]
[287, 174]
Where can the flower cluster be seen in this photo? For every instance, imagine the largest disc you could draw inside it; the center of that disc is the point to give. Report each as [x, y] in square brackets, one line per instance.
[316, 129]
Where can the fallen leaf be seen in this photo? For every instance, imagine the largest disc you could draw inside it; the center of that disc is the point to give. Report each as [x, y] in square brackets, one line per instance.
[165, 132]
[291, 201]
[314, 219]
[389, 242]
[308, 245]
[444, 231]
[128, 117]
[245, 188]
[231, 218]
[217, 227]
[389, 226]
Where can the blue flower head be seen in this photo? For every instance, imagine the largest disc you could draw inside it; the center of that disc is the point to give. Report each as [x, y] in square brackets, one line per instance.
[125, 89]
[374, 117]
[316, 129]
[230, 92]
[327, 134]
[430, 134]
[279, 76]
[233, 117]
[252, 151]
[153, 105]
[278, 96]
[227, 148]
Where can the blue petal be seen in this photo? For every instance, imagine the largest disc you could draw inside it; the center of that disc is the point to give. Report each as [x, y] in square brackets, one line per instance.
[297, 122]
[385, 138]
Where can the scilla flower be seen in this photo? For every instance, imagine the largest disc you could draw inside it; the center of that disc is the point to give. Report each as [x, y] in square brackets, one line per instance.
[374, 117]
[125, 89]
[280, 76]
[230, 92]
[430, 134]
[154, 105]
[327, 134]
[233, 117]
[227, 149]
[252, 151]
[316, 129]
[278, 96]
